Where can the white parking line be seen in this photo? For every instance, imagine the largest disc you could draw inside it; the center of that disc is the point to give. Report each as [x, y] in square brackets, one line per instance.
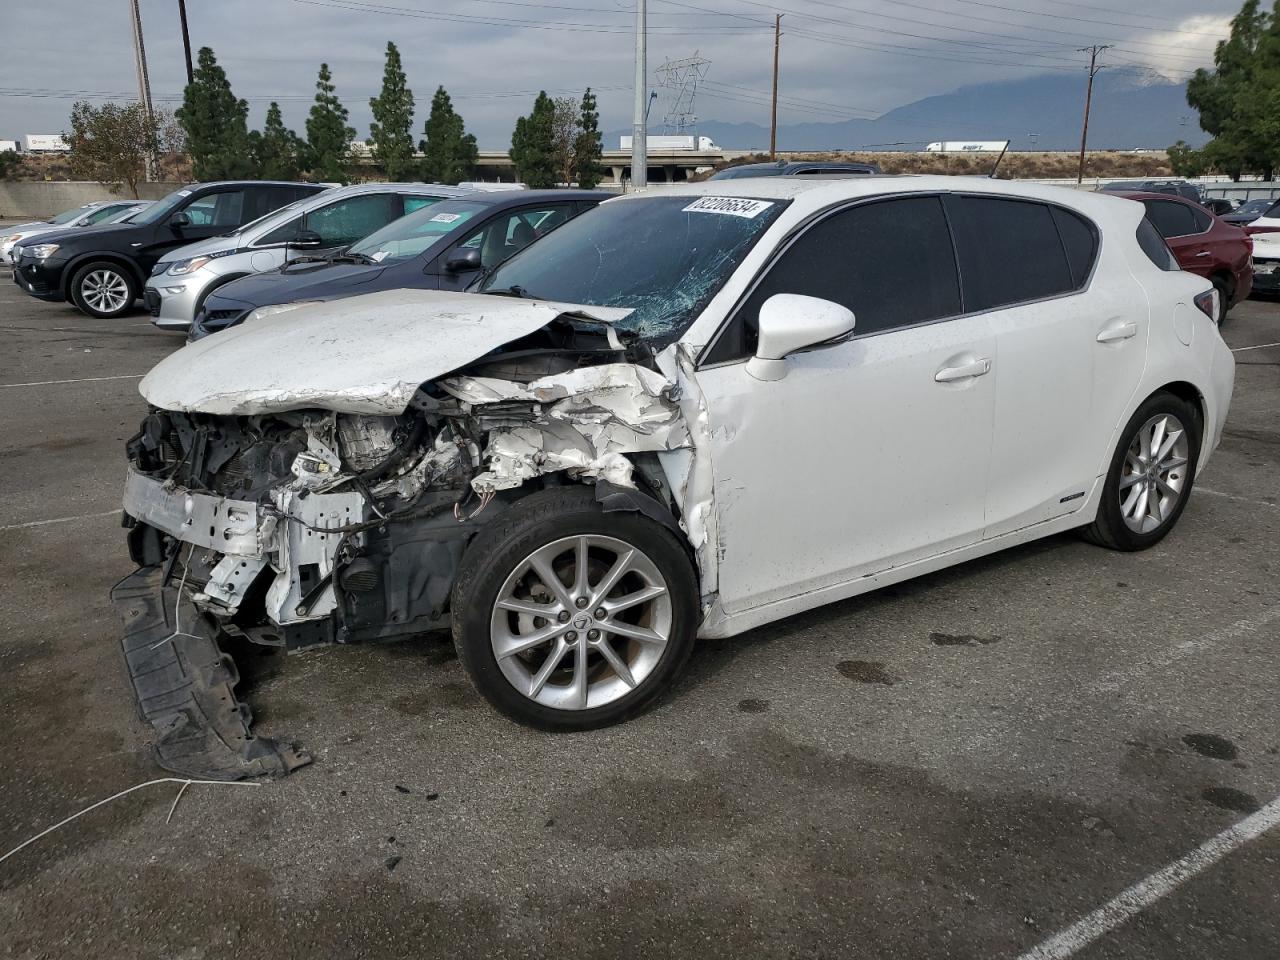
[43, 523]
[45, 383]
[1144, 893]
[1237, 497]
[1257, 346]
[1114, 681]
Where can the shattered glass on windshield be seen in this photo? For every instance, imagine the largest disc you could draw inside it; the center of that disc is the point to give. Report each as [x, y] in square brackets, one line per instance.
[664, 257]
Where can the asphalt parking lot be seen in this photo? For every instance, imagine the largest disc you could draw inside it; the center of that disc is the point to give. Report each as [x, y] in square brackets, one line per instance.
[961, 766]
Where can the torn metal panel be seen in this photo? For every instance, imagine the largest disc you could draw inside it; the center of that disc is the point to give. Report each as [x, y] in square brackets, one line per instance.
[688, 469]
[583, 421]
[229, 526]
[365, 354]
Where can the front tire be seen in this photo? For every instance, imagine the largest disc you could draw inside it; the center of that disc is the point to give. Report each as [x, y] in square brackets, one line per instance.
[566, 618]
[1151, 475]
[103, 290]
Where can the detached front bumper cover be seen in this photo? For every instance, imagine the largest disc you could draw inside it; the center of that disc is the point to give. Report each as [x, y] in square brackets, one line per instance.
[185, 687]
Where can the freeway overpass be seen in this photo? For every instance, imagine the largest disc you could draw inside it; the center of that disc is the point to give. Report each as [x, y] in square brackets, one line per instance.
[665, 166]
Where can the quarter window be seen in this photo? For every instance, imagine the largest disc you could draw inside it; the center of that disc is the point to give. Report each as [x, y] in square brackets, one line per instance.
[1080, 241]
[1009, 251]
[890, 262]
[1155, 248]
[1171, 218]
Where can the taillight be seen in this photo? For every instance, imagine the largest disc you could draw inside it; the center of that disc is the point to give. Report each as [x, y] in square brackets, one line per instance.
[1251, 229]
[1208, 303]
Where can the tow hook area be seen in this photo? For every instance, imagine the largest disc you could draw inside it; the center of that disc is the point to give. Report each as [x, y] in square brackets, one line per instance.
[185, 687]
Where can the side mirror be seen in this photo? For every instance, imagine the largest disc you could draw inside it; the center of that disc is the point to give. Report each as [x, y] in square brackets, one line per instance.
[462, 260]
[789, 323]
[306, 240]
[179, 220]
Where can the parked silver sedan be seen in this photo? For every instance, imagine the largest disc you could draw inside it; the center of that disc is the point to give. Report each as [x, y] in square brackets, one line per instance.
[323, 222]
[87, 215]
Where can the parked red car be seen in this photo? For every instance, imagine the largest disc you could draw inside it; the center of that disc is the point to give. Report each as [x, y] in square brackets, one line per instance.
[1216, 250]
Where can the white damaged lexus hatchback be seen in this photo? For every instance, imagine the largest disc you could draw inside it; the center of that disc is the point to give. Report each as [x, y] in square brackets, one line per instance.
[680, 414]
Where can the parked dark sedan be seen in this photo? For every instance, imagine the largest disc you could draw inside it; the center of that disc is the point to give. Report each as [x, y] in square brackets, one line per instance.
[1251, 210]
[782, 168]
[102, 270]
[1203, 244]
[441, 247]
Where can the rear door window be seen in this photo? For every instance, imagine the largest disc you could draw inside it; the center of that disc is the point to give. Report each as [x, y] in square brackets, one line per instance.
[343, 223]
[1010, 251]
[1171, 218]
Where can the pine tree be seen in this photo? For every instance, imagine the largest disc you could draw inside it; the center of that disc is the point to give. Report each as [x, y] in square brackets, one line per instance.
[216, 124]
[533, 145]
[276, 149]
[589, 147]
[391, 133]
[328, 136]
[448, 153]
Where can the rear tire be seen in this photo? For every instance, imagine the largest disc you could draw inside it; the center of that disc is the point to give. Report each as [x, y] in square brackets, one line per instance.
[519, 637]
[1151, 475]
[103, 290]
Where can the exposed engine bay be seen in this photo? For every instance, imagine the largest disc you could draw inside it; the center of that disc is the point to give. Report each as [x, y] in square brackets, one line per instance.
[298, 527]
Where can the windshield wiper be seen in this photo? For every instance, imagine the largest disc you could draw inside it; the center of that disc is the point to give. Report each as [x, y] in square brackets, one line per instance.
[352, 258]
[515, 290]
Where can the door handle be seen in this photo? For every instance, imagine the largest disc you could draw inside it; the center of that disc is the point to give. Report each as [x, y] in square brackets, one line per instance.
[966, 371]
[1203, 253]
[1121, 331]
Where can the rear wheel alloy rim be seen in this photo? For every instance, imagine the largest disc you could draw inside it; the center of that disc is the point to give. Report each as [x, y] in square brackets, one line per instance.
[105, 291]
[581, 622]
[1154, 475]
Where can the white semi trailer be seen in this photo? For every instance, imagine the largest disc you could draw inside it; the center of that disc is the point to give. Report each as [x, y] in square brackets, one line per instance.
[664, 144]
[45, 143]
[965, 146]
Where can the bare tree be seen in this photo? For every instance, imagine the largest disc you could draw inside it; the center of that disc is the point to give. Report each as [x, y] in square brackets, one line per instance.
[564, 135]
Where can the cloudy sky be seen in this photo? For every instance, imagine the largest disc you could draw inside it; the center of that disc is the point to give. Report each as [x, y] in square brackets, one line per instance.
[840, 58]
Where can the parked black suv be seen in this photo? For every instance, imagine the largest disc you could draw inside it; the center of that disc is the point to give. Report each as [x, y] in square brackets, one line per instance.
[102, 271]
[796, 168]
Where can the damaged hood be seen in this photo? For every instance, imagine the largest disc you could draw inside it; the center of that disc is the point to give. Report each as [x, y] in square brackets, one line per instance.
[366, 354]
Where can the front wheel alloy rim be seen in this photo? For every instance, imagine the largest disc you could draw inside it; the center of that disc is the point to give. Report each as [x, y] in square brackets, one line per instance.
[105, 291]
[581, 622]
[1154, 476]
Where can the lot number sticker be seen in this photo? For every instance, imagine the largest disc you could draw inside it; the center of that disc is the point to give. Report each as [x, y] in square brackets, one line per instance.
[446, 217]
[730, 206]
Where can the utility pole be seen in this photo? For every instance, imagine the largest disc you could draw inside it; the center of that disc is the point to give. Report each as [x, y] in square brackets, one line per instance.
[186, 39]
[144, 82]
[639, 134]
[1094, 67]
[773, 122]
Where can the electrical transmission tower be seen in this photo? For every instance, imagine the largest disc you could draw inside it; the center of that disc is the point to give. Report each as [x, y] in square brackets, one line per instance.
[681, 78]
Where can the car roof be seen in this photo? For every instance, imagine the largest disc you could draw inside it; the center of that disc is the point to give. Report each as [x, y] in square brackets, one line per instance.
[812, 195]
[1150, 195]
[520, 198]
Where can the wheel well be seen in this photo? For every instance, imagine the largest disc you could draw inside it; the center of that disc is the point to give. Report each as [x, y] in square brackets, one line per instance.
[1227, 280]
[1187, 393]
[222, 282]
[114, 258]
